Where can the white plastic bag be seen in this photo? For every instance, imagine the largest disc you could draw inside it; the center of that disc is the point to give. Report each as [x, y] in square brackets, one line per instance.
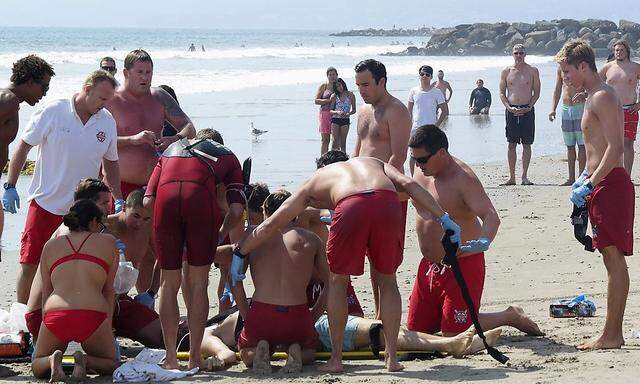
[126, 277]
[13, 321]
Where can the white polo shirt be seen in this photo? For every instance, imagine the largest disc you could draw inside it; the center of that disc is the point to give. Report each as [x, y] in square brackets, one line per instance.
[68, 151]
[425, 105]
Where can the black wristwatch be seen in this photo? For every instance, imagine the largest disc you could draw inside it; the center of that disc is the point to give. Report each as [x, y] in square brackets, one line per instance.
[236, 251]
[8, 186]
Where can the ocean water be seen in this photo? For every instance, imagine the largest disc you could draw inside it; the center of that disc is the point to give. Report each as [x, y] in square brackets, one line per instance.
[264, 78]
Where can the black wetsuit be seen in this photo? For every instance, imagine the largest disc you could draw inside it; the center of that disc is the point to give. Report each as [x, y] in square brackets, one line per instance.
[480, 98]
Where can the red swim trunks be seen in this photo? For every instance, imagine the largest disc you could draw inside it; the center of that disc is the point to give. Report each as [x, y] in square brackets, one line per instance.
[278, 325]
[630, 124]
[353, 304]
[611, 211]
[436, 301]
[369, 222]
[130, 317]
[38, 229]
[126, 189]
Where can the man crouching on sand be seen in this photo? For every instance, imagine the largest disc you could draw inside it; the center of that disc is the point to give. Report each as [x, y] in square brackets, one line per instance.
[281, 269]
[604, 186]
[368, 217]
[436, 302]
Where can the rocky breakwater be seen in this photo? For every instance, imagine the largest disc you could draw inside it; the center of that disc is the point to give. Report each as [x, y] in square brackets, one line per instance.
[541, 38]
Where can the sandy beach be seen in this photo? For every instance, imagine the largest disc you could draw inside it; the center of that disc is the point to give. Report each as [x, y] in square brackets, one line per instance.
[533, 261]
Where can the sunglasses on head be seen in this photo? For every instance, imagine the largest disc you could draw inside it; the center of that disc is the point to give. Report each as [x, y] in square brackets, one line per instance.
[423, 159]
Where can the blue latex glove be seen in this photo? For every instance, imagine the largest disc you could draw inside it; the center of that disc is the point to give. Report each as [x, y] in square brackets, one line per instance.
[11, 200]
[580, 179]
[579, 195]
[237, 266]
[118, 205]
[120, 245]
[479, 245]
[447, 223]
[226, 294]
[145, 299]
[327, 219]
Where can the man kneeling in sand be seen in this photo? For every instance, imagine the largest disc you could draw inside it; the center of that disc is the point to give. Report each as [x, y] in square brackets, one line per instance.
[281, 269]
[436, 301]
[368, 217]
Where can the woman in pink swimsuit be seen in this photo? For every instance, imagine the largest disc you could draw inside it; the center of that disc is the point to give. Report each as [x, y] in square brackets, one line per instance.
[323, 99]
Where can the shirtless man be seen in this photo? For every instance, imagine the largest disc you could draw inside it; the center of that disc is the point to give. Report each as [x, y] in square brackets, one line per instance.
[384, 126]
[360, 187]
[605, 185]
[278, 314]
[623, 76]
[436, 302]
[572, 108]
[30, 79]
[443, 86]
[519, 91]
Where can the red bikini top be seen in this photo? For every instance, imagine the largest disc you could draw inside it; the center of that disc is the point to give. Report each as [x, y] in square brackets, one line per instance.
[76, 255]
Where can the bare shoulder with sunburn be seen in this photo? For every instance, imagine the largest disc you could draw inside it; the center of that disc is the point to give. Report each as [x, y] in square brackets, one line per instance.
[353, 176]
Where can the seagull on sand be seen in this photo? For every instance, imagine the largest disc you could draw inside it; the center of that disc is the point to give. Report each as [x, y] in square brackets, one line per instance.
[255, 132]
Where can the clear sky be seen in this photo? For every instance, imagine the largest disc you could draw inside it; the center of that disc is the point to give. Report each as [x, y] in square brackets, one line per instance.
[300, 14]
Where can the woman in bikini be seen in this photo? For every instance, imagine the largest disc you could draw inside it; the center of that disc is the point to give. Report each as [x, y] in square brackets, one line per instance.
[343, 105]
[323, 99]
[77, 273]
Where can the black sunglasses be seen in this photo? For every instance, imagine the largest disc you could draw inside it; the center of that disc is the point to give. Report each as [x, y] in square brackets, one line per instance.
[108, 69]
[423, 159]
[518, 53]
[425, 74]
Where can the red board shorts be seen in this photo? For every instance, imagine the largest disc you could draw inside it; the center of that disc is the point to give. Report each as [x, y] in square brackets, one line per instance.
[39, 227]
[369, 222]
[185, 213]
[436, 301]
[611, 211]
[630, 124]
[278, 325]
[353, 304]
[126, 189]
[130, 317]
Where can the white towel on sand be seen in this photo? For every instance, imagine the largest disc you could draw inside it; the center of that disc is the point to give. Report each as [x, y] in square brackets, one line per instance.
[145, 368]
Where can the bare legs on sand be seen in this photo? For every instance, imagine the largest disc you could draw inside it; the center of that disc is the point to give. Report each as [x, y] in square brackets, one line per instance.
[512, 157]
[571, 162]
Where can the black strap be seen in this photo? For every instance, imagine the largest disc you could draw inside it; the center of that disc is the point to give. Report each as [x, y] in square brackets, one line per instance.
[374, 338]
[580, 221]
[450, 250]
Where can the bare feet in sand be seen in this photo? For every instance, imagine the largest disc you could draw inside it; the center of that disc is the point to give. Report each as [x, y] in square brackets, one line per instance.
[601, 343]
[294, 360]
[460, 343]
[333, 365]
[79, 366]
[508, 182]
[523, 322]
[213, 363]
[477, 345]
[55, 362]
[391, 362]
[262, 359]
[526, 181]
[567, 183]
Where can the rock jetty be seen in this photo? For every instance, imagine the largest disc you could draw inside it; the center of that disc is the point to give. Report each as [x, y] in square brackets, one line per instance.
[424, 31]
[540, 38]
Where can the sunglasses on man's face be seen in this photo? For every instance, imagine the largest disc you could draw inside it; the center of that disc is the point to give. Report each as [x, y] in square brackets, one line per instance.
[519, 53]
[423, 159]
[423, 74]
[108, 69]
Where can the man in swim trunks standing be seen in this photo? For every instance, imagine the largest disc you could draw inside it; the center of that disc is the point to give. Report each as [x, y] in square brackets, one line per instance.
[519, 91]
[443, 86]
[363, 187]
[281, 269]
[384, 126]
[30, 79]
[572, 108]
[436, 302]
[183, 193]
[76, 136]
[623, 76]
[605, 187]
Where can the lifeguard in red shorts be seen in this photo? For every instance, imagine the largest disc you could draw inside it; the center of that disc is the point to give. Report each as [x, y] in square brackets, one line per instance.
[368, 219]
[182, 191]
[604, 186]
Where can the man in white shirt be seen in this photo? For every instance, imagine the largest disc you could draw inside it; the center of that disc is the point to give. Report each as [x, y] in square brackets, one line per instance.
[424, 102]
[76, 136]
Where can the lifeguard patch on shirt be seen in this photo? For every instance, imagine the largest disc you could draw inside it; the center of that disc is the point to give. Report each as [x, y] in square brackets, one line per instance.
[101, 136]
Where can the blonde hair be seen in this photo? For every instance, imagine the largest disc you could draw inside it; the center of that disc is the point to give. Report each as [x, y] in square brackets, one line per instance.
[99, 75]
[576, 51]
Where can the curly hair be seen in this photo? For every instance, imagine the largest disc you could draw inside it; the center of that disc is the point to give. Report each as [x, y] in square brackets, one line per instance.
[30, 67]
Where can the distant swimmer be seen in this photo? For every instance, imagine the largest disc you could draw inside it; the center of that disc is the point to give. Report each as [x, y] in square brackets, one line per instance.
[604, 187]
[572, 109]
[623, 76]
[332, 45]
[480, 99]
[519, 91]
[357, 188]
[202, 48]
[30, 77]
[192, 48]
[443, 86]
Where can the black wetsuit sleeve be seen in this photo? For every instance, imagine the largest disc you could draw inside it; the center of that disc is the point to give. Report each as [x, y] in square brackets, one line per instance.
[234, 181]
[488, 93]
[471, 98]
